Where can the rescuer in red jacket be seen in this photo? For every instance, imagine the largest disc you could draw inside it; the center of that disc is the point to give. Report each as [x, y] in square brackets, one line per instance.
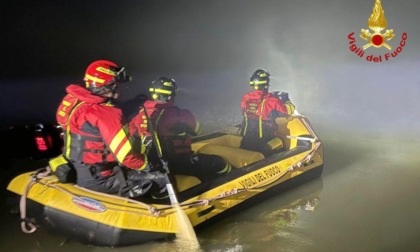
[260, 109]
[97, 142]
[174, 127]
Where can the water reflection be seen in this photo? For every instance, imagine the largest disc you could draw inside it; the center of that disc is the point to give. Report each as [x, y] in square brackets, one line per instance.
[289, 215]
[265, 224]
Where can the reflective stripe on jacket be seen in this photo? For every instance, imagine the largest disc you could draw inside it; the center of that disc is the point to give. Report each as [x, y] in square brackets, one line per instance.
[95, 131]
[174, 126]
[260, 110]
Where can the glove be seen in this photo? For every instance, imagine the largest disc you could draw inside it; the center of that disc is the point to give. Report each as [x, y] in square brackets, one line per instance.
[145, 180]
[155, 176]
[139, 190]
[148, 172]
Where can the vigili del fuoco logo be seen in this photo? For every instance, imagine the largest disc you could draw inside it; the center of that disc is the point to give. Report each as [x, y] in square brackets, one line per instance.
[376, 38]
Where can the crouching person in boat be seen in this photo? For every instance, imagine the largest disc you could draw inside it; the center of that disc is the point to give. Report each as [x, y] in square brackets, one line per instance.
[97, 143]
[174, 127]
[260, 109]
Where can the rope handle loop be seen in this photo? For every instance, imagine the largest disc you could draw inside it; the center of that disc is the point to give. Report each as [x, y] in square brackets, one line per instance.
[27, 226]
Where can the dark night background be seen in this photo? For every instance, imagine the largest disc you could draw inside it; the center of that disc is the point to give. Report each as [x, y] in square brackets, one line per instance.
[211, 48]
[366, 113]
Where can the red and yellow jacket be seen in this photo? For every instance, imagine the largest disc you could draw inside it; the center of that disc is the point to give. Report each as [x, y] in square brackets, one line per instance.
[173, 125]
[260, 109]
[95, 131]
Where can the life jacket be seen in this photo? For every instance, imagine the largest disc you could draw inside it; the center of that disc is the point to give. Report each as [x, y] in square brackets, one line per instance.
[259, 128]
[76, 144]
[257, 122]
[174, 127]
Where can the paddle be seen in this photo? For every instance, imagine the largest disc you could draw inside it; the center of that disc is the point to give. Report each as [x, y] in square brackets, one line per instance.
[185, 232]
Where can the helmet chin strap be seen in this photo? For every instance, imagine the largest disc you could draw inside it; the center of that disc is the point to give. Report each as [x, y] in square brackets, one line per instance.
[115, 95]
[171, 98]
[263, 88]
[109, 91]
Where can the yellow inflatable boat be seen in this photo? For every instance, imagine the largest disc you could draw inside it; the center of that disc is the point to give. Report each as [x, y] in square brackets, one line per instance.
[109, 220]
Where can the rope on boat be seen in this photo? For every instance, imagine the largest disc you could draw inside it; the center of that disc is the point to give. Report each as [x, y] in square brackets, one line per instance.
[298, 164]
[29, 227]
[26, 224]
[235, 191]
[153, 210]
[203, 202]
[309, 128]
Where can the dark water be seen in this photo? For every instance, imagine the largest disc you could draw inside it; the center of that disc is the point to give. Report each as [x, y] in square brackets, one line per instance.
[366, 200]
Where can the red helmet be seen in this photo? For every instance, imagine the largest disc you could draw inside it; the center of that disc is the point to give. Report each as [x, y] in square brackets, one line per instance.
[102, 73]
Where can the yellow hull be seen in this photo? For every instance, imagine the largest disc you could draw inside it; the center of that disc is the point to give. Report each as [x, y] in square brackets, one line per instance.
[108, 220]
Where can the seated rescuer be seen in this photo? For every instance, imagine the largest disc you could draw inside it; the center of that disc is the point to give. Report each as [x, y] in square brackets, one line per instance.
[97, 142]
[260, 109]
[174, 127]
